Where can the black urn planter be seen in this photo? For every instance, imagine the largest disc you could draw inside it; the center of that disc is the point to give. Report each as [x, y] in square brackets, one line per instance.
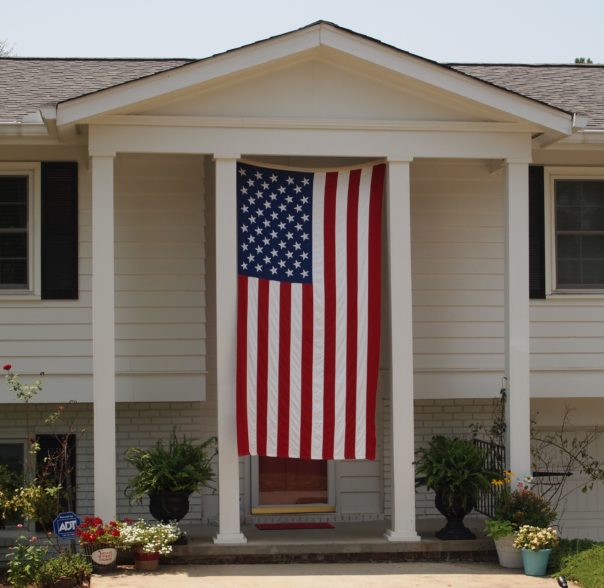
[169, 506]
[454, 513]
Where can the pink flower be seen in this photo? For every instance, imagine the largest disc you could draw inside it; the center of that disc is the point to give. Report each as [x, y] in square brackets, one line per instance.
[34, 539]
[19, 526]
[7, 366]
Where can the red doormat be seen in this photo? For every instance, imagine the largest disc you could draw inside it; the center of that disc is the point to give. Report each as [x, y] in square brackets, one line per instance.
[287, 526]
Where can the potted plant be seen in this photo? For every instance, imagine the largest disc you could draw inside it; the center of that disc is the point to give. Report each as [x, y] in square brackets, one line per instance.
[169, 473]
[455, 469]
[100, 542]
[149, 541]
[536, 544]
[503, 534]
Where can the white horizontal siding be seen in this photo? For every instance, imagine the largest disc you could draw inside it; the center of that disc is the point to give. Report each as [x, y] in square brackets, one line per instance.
[160, 291]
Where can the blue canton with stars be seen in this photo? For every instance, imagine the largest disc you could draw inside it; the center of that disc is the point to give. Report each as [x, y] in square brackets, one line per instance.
[274, 217]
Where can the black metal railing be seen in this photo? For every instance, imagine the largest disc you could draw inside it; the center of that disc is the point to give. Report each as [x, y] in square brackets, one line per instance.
[495, 462]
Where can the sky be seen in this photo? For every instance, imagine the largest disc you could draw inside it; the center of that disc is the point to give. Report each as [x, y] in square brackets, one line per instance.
[504, 31]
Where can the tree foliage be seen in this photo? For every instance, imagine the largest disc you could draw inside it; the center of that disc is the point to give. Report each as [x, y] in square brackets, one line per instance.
[5, 48]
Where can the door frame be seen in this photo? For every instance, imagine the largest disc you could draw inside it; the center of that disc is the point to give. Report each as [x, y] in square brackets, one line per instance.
[283, 509]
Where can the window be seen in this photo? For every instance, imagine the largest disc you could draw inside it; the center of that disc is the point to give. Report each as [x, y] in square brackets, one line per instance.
[577, 231]
[12, 463]
[19, 228]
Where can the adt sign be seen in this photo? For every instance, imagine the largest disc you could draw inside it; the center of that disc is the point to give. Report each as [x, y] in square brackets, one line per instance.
[64, 526]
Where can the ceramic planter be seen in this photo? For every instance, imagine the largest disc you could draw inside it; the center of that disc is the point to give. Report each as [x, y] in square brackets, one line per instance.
[535, 562]
[509, 557]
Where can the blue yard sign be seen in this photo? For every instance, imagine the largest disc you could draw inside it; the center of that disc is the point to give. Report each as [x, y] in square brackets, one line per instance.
[65, 525]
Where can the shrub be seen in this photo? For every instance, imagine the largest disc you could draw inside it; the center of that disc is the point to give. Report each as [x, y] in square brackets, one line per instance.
[525, 507]
[26, 560]
[585, 567]
[65, 565]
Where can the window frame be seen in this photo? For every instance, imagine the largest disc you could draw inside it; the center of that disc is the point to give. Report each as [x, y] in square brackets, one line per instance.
[552, 174]
[32, 170]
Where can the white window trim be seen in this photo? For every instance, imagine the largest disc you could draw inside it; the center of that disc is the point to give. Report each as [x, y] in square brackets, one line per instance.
[551, 174]
[33, 171]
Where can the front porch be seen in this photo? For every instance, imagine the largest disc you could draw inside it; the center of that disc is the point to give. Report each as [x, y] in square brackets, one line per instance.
[346, 542]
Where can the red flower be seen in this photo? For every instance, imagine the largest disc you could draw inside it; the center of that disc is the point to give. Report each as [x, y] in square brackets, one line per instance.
[7, 366]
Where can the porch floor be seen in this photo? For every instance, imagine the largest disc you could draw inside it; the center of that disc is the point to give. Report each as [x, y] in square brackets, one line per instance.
[358, 541]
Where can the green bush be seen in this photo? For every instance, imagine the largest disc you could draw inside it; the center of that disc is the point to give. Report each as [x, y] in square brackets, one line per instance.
[26, 560]
[525, 507]
[585, 567]
[65, 565]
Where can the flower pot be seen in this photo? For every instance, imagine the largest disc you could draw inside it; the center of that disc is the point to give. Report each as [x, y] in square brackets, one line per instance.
[454, 513]
[169, 506]
[509, 557]
[145, 562]
[535, 562]
[104, 559]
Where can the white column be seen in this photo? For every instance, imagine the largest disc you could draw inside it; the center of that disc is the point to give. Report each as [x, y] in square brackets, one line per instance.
[401, 351]
[517, 353]
[229, 531]
[103, 337]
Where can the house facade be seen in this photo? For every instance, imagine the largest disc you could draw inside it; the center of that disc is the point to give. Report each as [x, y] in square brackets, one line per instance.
[118, 256]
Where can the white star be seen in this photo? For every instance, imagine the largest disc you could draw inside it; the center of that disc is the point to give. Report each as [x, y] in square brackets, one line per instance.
[267, 259]
[251, 200]
[266, 240]
[290, 218]
[304, 199]
[297, 189]
[260, 212]
[289, 273]
[258, 230]
[242, 172]
[259, 194]
[281, 189]
[274, 252]
[252, 219]
[282, 244]
[267, 204]
[243, 190]
[281, 226]
[304, 236]
[274, 215]
[243, 228]
[290, 180]
[266, 223]
[244, 247]
[250, 258]
[258, 175]
[272, 196]
[282, 207]
[258, 249]
[281, 263]
[297, 264]
[251, 239]
[273, 234]
[250, 182]
[273, 270]
[289, 254]
[297, 246]
[304, 255]
[298, 227]
[304, 274]
[258, 267]
[289, 235]
[273, 178]
[244, 208]
[289, 199]
[264, 185]
[305, 218]
[305, 181]
[244, 266]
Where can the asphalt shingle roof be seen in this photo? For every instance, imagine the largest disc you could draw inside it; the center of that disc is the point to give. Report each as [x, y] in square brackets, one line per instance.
[28, 83]
[574, 88]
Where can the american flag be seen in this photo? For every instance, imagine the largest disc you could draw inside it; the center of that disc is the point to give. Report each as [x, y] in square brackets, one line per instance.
[309, 257]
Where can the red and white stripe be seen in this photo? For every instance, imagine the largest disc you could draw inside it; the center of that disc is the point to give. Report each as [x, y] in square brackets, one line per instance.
[308, 354]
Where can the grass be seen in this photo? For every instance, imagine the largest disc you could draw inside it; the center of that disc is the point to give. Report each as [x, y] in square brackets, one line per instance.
[580, 560]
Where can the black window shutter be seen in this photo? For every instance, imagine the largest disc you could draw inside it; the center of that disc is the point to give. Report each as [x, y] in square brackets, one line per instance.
[59, 230]
[536, 233]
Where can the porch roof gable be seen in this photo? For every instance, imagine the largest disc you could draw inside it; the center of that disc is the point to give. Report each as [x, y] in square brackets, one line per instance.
[175, 81]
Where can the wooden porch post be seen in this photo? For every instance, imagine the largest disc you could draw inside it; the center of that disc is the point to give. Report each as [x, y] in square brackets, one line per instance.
[103, 337]
[401, 353]
[226, 348]
[517, 353]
